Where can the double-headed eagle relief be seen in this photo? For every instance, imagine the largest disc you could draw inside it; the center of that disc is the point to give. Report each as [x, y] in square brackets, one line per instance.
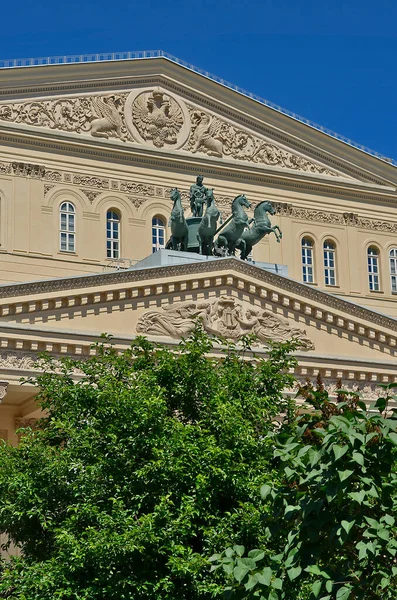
[157, 117]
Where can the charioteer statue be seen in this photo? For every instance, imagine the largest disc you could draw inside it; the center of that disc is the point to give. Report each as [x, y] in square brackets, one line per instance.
[197, 196]
[200, 233]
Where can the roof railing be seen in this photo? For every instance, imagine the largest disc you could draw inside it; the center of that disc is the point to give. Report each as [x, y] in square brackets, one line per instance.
[147, 54]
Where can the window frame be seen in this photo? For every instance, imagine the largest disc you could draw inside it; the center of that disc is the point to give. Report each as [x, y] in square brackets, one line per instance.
[307, 259]
[393, 269]
[67, 227]
[373, 260]
[113, 242]
[329, 263]
[157, 229]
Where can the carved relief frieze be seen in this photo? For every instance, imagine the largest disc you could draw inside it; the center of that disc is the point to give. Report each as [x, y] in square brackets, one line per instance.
[319, 216]
[28, 170]
[214, 136]
[137, 188]
[22, 362]
[100, 116]
[224, 316]
[159, 119]
[52, 176]
[376, 225]
[89, 181]
[5, 168]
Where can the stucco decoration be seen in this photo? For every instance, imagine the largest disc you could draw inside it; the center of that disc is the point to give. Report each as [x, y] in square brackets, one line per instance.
[23, 362]
[100, 116]
[224, 316]
[108, 118]
[216, 137]
[157, 118]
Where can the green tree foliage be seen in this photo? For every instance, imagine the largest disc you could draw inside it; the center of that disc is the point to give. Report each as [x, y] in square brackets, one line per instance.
[331, 520]
[146, 463]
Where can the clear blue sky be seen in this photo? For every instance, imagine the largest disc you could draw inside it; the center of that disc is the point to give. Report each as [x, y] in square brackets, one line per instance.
[331, 62]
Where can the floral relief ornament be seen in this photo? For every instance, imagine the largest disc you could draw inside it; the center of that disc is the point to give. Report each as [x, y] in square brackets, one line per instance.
[99, 116]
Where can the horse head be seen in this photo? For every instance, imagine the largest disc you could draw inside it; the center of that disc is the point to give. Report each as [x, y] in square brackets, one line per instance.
[209, 196]
[264, 207]
[175, 195]
[241, 200]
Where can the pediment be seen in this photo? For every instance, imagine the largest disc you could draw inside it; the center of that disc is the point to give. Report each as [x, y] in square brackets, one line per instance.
[232, 298]
[158, 119]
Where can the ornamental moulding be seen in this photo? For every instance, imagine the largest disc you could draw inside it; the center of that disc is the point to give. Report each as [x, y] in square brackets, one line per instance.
[156, 118]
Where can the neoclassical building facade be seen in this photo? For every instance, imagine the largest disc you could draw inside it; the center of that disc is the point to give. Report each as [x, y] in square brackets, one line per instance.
[89, 153]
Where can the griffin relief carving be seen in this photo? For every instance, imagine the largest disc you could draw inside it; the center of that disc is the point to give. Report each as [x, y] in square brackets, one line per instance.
[215, 137]
[226, 317]
[108, 118]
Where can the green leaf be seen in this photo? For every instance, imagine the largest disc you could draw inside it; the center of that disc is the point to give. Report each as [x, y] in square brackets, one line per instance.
[389, 520]
[315, 570]
[252, 582]
[294, 572]
[343, 593]
[240, 572]
[265, 490]
[358, 496]
[358, 458]
[393, 437]
[247, 562]
[265, 576]
[383, 533]
[347, 525]
[277, 584]
[256, 555]
[380, 404]
[291, 509]
[239, 550]
[316, 588]
[214, 557]
[229, 552]
[343, 475]
[339, 451]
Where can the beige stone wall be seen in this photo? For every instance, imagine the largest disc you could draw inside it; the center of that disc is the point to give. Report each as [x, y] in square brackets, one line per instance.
[29, 222]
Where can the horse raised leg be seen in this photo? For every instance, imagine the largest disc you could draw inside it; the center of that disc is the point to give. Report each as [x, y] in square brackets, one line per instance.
[278, 235]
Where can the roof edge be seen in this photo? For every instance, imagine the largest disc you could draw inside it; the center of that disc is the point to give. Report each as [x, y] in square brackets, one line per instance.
[155, 54]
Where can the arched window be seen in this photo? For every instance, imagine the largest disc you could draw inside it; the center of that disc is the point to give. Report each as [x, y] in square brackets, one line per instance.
[112, 234]
[329, 263]
[393, 269]
[67, 227]
[307, 260]
[158, 234]
[373, 269]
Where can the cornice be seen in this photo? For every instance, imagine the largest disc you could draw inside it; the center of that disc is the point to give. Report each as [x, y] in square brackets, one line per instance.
[282, 293]
[183, 162]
